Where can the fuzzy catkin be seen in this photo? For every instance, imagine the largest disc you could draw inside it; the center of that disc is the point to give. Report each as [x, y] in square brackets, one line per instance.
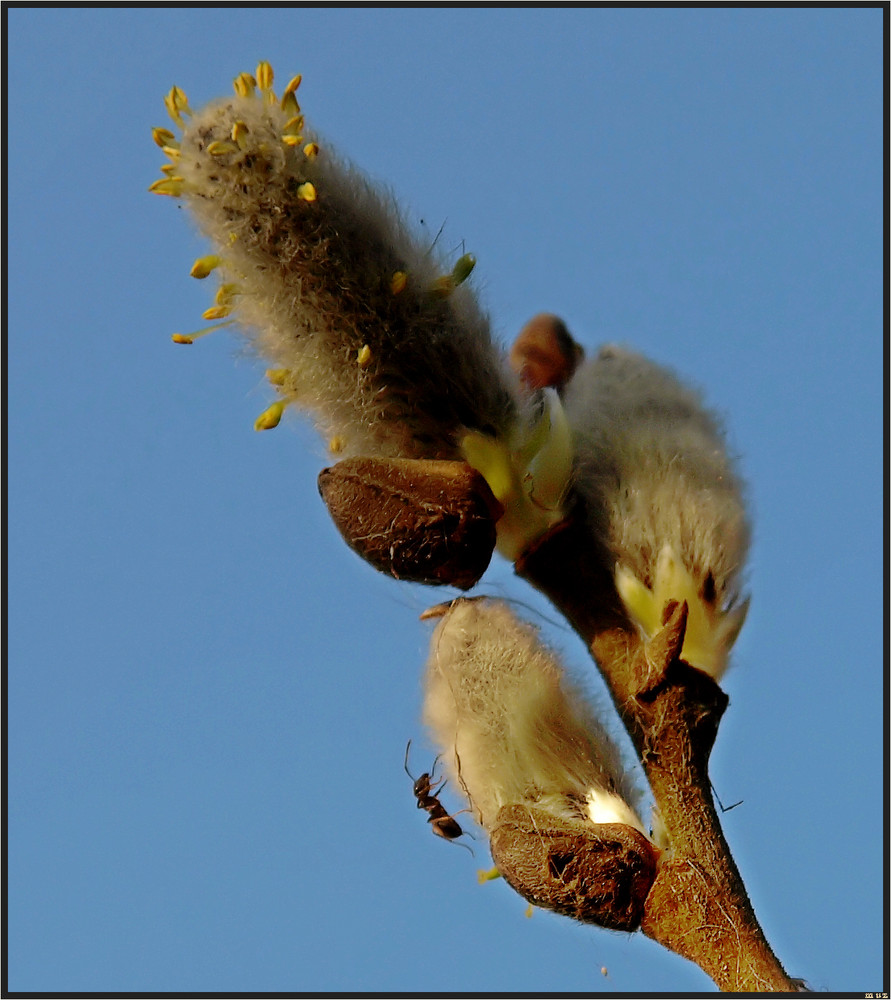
[512, 729]
[662, 494]
[385, 369]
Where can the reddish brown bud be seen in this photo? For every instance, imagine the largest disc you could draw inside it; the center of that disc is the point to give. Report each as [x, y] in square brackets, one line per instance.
[415, 519]
[544, 354]
[597, 874]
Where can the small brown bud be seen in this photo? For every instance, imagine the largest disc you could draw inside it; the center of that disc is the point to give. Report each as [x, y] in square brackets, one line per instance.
[415, 519]
[597, 874]
[544, 354]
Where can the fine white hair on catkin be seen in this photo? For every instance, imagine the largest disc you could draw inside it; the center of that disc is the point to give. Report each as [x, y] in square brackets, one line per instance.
[663, 495]
[313, 248]
[512, 729]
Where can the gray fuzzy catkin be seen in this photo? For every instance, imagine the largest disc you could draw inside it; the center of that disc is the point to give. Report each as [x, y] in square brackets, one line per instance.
[314, 280]
[662, 494]
[512, 729]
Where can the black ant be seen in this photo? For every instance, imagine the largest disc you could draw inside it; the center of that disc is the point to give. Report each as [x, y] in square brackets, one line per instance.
[426, 791]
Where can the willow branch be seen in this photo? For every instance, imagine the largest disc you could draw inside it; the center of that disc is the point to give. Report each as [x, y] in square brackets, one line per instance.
[698, 906]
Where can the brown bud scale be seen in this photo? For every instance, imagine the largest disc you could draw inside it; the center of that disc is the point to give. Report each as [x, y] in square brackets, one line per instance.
[415, 519]
[597, 874]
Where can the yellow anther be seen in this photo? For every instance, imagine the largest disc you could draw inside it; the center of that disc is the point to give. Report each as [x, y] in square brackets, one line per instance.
[168, 168]
[292, 140]
[217, 312]
[270, 417]
[269, 97]
[398, 282]
[173, 111]
[164, 137]
[190, 338]
[289, 103]
[463, 267]
[204, 265]
[307, 192]
[293, 83]
[311, 150]
[221, 147]
[239, 134]
[293, 126]
[177, 105]
[244, 84]
[172, 152]
[226, 293]
[363, 357]
[172, 186]
[336, 445]
[180, 100]
[264, 76]
[529, 910]
[277, 376]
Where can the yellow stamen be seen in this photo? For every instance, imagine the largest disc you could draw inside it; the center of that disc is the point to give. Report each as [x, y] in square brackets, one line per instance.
[164, 137]
[463, 267]
[363, 358]
[172, 152]
[307, 192]
[529, 910]
[173, 111]
[293, 83]
[289, 103]
[292, 140]
[189, 338]
[311, 150]
[244, 84]
[398, 282]
[239, 133]
[177, 105]
[264, 76]
[221, 147]
[270, 417]
[277, 376]
[204, 265]
[226, 293]
[180, 100]
[336, 444]
[216, 312]
[168, 168]
[172, 186]
[293, 126]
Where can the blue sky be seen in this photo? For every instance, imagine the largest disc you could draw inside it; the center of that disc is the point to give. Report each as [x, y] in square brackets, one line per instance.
[210, 696]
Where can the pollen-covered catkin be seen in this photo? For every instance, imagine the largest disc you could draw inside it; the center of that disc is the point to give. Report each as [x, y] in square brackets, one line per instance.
[333, 289]
[512, 730]
[663, 496]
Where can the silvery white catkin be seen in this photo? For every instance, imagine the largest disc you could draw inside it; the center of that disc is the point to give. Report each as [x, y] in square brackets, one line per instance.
[511, 727]
[312, 247]
[664, 497]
